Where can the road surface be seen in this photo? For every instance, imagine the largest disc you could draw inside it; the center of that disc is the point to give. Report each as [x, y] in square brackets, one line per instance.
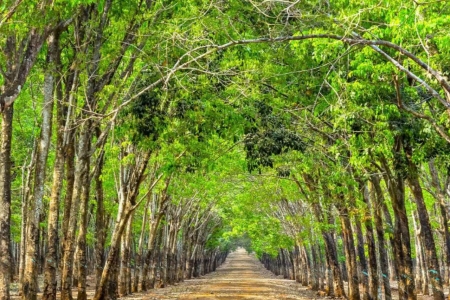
[242, 276]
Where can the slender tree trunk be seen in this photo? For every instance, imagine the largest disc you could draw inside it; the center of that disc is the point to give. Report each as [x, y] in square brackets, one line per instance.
[308, 265]
[432, 260]
[402, 247]
[165, 248]
[5, 203]
[157, 211]
[297, 262]
[362, 260]
[100, 220]
[349, 247]
[82, 230]
[183, 256]
[149, 257]
[152, 258]
[23, 226]
[441, 197]
[283, 263]
[172, 259]
[140, 251]
[125, 260]
[421, 265]
[70, 179]
[69, 242]
[155, 263]
[30, 285]
[330, 246]
[113, 256]
[315, 272]
[51, 260]
[189, 247]
[370, 237]
[377, 200]
[330, 250]
[401, 239]
[323, 270]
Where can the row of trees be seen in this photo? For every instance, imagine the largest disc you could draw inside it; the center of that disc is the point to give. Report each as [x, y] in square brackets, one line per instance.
[139, 138]
[361, 158]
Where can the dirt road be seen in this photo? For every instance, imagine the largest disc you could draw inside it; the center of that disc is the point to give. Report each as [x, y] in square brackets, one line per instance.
[242, 276]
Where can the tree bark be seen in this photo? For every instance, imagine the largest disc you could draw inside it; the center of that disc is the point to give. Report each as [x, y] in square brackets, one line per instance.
[70, 179]
[377, 200]
[125, 260]
[30, 285]
[69, 242]
[364, 278]
[421, 264]
[5, 203]
[140, 250]
[434, 269]
[51, 259]
[402, 241]
[370, 238]
[350, 254]
[23, 224]
[100, 226]
[441, 197]
[82, 230]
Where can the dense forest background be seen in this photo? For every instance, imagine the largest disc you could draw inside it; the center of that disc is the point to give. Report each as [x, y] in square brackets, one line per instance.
[143, 140]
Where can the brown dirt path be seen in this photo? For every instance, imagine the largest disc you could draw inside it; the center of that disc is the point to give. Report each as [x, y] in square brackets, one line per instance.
[242, 276]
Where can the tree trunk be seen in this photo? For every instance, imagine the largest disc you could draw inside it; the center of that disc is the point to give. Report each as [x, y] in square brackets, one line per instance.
[330, 248]
[100, 226]
[377, 200]
[23, 224]
[157, 211]
[421, 264]
[70, 179]
[315, 271]
[51, 260]
[297, 262]
[441, 197]
[165, 251]
[401, 239]
[370, 238]
[349, 247]
[189, 248]
[113, 255]
[362, 260]
[125, 260]
[140, 250]
[82, 230]
[69, 243]
[5, 203]
[30, 284]
[434, 269]
[155, 263]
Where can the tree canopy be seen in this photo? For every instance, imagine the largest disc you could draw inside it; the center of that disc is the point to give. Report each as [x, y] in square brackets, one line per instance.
[142, 141]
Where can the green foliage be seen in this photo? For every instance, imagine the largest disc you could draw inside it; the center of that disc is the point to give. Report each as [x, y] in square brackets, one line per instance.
[311, 117]
[144, 119]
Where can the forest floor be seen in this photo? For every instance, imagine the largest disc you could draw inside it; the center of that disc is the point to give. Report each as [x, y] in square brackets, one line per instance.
[242, 276]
